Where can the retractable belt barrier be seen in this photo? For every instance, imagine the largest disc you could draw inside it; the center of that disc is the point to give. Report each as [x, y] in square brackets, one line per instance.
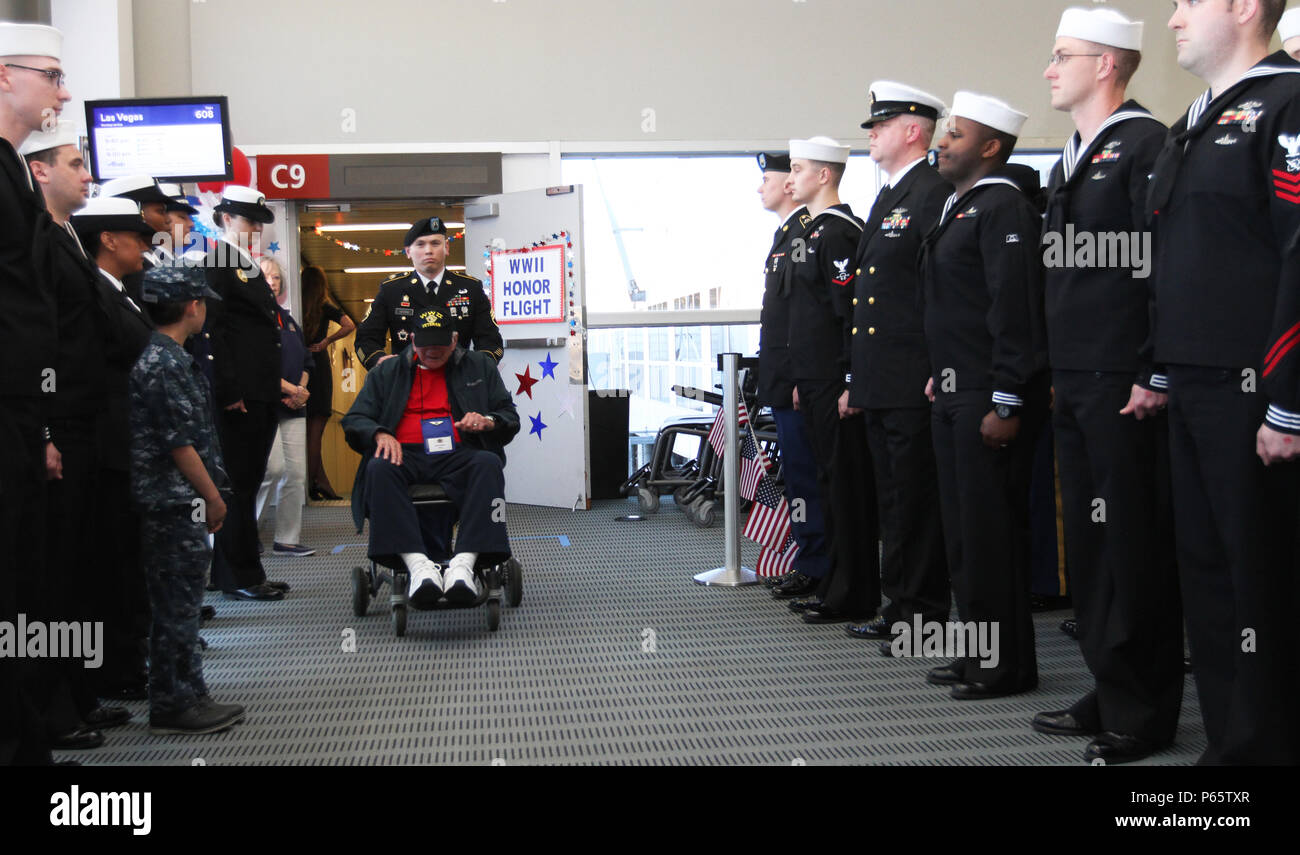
[731, 574]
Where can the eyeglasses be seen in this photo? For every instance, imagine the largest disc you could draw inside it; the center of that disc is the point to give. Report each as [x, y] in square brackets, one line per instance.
[54, 75]
[1061, 58]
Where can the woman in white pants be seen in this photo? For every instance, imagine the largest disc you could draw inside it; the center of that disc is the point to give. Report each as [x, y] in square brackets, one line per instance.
[286, 468]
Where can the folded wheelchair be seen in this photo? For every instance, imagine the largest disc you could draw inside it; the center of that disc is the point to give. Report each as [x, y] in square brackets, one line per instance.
[504, 580]
[696, 481]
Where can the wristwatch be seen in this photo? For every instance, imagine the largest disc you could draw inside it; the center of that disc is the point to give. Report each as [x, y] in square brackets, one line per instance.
[1006, 411]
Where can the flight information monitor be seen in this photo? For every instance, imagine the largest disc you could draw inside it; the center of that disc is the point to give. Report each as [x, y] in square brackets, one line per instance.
[171, 139]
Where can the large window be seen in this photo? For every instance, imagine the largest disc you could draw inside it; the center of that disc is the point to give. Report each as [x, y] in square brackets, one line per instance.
[682, 232]
[650, 381]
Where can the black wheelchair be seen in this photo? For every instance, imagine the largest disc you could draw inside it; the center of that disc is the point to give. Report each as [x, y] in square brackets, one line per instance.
[504, 580]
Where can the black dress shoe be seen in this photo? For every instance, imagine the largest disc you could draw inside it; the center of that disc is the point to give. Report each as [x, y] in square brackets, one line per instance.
[103, 716]
[282, 587]
[1063, 723]
[773, 581]
[803, 605]
[876, 628]
[983, 691]
[1070, 627]
[82, 737]
[947, 675]
[1110, 748]
[257, 592]
[207, 613]
[797, 585]
[822, 613]
[325, 495]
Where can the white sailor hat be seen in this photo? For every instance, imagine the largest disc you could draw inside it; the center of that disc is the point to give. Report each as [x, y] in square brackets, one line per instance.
[140, 188]
[819, 148]
[176, 199]
[30, 40]
[243, 202]
[889, 99]
[110, 214]
[1289, 26]
[998, 115]
[65, 132]
[1101, 25]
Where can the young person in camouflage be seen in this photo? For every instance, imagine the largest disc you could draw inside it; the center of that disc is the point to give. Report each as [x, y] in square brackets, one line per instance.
[176, 475]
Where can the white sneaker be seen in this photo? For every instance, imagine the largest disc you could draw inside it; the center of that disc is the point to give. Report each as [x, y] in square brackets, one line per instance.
[426, 585]
[459, 583]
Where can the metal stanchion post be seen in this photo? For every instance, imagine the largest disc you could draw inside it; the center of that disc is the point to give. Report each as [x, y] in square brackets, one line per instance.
[732, 574]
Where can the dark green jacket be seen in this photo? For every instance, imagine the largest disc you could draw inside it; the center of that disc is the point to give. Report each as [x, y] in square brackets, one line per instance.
[473, 386]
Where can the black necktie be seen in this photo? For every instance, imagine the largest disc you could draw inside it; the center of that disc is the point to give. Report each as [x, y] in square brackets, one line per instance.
[878, 206]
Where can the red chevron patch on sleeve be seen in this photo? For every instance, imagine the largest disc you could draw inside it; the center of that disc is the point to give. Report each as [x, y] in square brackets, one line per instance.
[1285, 343]
[1286, 186]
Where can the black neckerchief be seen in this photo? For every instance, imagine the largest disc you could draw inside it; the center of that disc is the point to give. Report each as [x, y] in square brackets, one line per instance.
[1196, 122]
[1074, 154]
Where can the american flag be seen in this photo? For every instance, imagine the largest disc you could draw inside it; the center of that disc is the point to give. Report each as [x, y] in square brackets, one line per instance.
[718, 433]
[751, 465]
[772, 562]
[769, 518]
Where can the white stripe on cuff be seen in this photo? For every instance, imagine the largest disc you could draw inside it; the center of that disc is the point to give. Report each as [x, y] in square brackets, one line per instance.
[1008, 399]
[1158, 381]
[1282, 418]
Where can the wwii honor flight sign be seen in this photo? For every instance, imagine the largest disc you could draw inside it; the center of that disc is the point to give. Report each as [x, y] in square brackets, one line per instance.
[528, 285]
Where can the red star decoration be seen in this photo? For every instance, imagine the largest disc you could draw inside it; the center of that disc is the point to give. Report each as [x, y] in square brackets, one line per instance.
[526, 382]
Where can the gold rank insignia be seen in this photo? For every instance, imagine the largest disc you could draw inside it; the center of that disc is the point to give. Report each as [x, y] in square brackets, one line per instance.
[243, 277]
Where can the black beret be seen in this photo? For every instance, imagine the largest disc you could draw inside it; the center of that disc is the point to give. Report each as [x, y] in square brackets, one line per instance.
[427, 226]
[774, 161]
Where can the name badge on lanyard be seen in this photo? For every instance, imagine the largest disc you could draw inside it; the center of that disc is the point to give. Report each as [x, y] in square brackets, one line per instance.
[438, 437]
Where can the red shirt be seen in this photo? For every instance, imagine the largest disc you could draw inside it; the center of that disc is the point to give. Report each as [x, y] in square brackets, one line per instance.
[428, 400]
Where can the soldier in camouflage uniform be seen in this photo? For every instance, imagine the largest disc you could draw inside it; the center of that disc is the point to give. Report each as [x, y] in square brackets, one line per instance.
[177, 473]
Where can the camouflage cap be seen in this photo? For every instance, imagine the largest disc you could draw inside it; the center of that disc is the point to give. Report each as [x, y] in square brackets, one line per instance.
[175, 283]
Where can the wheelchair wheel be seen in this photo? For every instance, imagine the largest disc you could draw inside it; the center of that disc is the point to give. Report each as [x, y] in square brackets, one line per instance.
[679, 495]
[360, 591]
[493, 615]
[514, 582]
[706, 513]
[399, 621]
[647, 499]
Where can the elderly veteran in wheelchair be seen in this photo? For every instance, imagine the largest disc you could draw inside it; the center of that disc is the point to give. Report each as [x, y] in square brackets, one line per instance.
[437, 414]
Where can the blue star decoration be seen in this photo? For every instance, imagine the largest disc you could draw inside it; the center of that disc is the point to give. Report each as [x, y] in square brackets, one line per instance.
[548, 367]
[538, 425]
[274, 247]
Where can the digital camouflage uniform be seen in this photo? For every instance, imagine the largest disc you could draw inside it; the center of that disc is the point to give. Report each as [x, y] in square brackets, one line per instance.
[171, 407]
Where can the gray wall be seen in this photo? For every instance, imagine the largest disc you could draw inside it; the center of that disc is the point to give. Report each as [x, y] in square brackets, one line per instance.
[161, 30]
[584, 70]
